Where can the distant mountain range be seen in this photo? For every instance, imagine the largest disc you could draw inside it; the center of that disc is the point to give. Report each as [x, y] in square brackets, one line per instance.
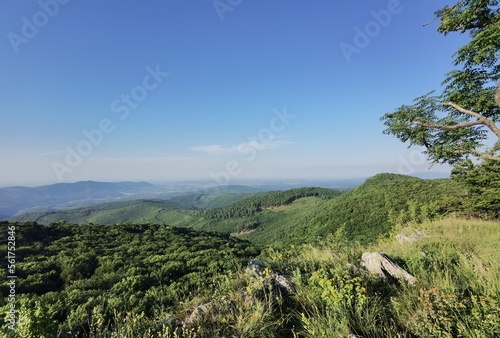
[64, 195]
[190, 195]
[366, 211]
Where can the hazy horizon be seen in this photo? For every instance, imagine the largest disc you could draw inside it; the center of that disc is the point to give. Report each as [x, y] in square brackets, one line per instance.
[240, 181]
[176, 91]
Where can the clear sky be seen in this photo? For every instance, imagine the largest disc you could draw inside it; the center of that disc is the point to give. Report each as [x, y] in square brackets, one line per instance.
[224, 90]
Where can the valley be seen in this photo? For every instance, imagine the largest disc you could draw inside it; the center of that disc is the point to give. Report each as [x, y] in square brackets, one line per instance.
[94, 271]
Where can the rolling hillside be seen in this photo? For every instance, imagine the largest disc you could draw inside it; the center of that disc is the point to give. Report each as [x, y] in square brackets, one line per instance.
[293, 216]
[160, 280]
[367, 212]
[15, 199]
[180, 211]
[136, 211]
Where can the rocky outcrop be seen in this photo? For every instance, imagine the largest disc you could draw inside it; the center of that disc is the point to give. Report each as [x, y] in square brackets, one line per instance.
[258, 269]
[197, 314]
[415, 236]
[383, 266]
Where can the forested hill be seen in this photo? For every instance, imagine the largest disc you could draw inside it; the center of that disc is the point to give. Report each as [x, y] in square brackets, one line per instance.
[367, 212]
[136, 211]
[252, 205]
[292, 216]
[176, 211]
[77, 270]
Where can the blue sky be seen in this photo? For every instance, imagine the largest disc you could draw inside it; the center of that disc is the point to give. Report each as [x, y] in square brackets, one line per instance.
[225, 90]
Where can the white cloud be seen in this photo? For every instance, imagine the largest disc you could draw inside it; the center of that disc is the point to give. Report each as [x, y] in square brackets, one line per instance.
[143, 159]
[212, 149]
[242, 148]
[50, 153]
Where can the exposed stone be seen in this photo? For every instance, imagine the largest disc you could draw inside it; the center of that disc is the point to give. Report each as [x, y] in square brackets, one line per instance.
[352, 268]
[197, 313]
[383, 266]
[257, 268]
[284, 282]
[415, 236]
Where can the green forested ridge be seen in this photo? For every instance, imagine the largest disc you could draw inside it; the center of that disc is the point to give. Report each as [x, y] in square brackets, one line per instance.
[143, 280]
[136, 211]
[206, 201]
[370, 210]
[290, 216]
[367, 212]
[250, 206]
[127, 269]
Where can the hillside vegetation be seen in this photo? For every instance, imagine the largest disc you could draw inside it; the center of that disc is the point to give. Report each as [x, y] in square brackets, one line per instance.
[158, 280]
[367, 212]
[136, 211]
[145, 280]
[292, 216]
[78, 275]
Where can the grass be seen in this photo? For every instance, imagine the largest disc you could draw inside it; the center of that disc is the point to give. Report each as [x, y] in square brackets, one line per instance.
[458, 271]
[456, 263]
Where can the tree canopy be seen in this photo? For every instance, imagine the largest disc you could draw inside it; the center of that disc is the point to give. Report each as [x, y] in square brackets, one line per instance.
[460, 122]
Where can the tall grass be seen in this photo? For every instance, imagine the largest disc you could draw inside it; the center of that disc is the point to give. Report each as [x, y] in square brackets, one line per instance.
[457, 266]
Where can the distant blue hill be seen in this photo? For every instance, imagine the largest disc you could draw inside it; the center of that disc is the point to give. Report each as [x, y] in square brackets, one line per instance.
[431, 175]
[15, 199]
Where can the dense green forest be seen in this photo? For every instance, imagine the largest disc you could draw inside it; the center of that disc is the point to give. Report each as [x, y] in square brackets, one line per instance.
[72, 271]
[147, 280]
[366, 212]
[291, 216]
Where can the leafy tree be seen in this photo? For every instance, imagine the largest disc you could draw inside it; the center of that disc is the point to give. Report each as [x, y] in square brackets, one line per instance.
[34, 320]
[483, 182]
[459, 123]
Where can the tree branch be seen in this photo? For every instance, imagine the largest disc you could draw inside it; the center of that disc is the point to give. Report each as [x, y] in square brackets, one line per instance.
[463, 110]
[484, 120]
[478, 153]
[449, 10]
[452, 127]
[497, 95]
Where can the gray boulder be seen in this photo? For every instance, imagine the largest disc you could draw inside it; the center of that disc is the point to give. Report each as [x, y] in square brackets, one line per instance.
[257, 268]
[382, 265]
[414, 237]
[197, 314]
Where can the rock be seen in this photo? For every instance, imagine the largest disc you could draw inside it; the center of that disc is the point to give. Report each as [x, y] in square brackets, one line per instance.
[258, 269]
[412, 238]
[283, 282]
[352, 268]
[196, 314]
[382, 265]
